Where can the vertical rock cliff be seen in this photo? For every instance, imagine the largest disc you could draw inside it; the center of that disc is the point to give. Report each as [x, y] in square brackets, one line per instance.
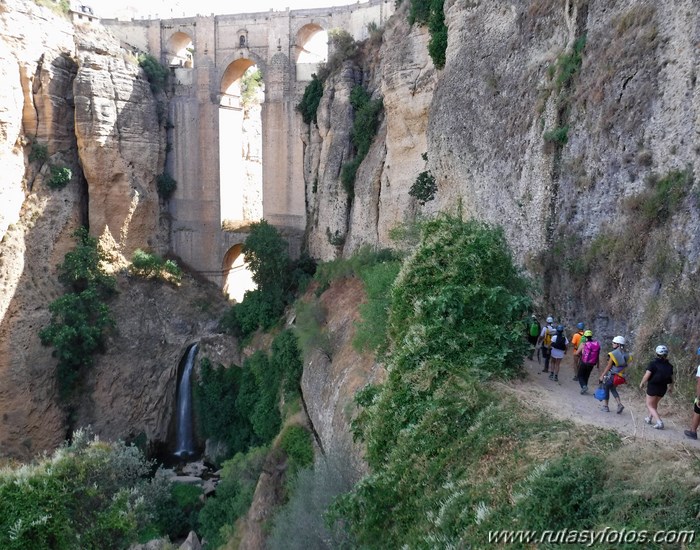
[71, 98]
[564, 122]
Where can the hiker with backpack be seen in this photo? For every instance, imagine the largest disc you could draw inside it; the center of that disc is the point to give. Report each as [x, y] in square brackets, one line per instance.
[545, 340]
[558, 350]
[614, 373]
[577, 339]
[533, 333]
[659, 379]
[588, 355]
[692, 433]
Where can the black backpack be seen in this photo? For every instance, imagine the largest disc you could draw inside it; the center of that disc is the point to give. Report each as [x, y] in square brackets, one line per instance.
[560, 342]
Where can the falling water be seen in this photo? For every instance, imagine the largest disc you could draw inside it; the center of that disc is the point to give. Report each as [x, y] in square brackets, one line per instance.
[185, 437]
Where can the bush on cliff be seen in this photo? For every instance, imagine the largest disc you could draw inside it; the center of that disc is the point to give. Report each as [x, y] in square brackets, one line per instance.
[80, 317]
[308, 106]
[156, 73]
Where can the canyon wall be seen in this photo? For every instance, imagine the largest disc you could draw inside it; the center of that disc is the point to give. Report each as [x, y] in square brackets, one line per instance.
[71, 98]
[565, 155]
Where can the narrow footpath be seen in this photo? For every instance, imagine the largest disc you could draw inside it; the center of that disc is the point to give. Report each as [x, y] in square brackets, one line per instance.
[563, 400]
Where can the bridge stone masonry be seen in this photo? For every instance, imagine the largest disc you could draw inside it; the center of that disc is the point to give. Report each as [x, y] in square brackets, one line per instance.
[219, 49]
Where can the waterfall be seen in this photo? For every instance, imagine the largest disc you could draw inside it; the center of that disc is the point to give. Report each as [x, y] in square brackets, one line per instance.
[185, 436]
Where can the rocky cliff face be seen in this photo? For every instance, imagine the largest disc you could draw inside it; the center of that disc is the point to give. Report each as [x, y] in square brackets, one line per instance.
[71, 98]
[563, 158]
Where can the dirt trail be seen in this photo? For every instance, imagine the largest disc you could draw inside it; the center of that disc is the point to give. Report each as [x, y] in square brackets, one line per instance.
[563, 400]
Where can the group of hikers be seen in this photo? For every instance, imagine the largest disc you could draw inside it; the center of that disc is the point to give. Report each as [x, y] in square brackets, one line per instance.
[551, 342]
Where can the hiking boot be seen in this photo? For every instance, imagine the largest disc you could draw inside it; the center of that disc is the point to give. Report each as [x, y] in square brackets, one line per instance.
[545, 370]
[551, 376]
[575, 378]
[556, 378]
[648, 419]
[605, 409]
[659, 425]
[691, 434]
[584, 390]
[620, 408]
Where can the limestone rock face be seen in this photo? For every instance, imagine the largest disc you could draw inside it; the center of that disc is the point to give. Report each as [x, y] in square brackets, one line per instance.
[36, 223]
[120, 143]
[329, 384]
[132, 387]
[72, 91]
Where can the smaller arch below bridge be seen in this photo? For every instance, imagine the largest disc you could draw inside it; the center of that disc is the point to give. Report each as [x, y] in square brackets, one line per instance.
[238, 279]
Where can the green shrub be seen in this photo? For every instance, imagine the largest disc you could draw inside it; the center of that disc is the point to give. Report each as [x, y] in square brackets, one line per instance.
[363, 131]
[152, 266]
[311, 100]
[424, 188]
[371, 330]
[60, 177]
[431, 12]
[156, 73]
[90, 494]
[79, 318]
[166, 186]
[257, 310]
[215, 401]
[558, 136]
[568, 65]
[234, 494]
[295, 441]
[39, 152]
[285, 359]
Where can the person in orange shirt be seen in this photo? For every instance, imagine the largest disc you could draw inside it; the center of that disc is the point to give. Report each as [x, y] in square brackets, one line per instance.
[576, 340]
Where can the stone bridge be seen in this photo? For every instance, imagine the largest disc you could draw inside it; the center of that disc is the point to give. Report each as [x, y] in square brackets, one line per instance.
[208, 55]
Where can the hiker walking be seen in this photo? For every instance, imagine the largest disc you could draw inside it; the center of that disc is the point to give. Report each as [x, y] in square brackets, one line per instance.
[533, 333]
[588, 355]
[577, 339]
[659, 379]
[613, 375]
[692, 433]
[545, 340]
[558, 350]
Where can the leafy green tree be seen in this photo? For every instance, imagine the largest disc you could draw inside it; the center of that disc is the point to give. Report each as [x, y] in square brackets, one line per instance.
[268, 258]
[79, 318]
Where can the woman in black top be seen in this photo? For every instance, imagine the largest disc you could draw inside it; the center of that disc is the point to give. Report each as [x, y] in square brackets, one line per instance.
[659, 378]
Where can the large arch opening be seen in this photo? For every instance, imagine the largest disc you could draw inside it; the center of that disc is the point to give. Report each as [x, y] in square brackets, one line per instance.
[180, 51]
[311, 49]
[240, 144]
[238, 279]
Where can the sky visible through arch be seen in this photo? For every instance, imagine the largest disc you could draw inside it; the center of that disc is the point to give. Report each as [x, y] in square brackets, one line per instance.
[187, 8]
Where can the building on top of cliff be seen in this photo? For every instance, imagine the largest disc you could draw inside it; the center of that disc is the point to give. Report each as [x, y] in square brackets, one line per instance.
[82, 13]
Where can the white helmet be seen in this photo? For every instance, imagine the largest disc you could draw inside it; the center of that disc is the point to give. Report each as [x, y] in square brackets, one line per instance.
[619, 340]
[661, 350]
[550, 320]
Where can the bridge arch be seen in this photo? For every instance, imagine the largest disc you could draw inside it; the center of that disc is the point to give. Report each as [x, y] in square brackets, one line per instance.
[310, 49]
[238, 279]
[179, 50]
[240, 144]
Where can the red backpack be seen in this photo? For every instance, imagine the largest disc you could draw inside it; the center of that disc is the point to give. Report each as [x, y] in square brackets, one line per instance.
[590, 352]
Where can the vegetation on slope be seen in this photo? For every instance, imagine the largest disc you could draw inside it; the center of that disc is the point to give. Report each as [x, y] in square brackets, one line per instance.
[451, 458]
[80, 317]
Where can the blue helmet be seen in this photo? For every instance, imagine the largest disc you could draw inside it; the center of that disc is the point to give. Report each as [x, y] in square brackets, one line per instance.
[580, 326]
[560, 328]
[698, 351]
